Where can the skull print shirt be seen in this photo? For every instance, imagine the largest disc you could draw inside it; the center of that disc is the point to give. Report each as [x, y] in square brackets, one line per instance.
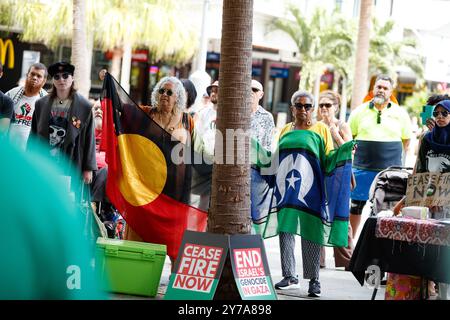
[58, 126]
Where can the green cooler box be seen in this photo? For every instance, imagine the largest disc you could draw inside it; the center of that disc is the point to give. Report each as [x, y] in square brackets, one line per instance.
[130, 267]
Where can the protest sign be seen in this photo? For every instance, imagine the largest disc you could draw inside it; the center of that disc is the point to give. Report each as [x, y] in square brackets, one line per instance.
[250, 268]
[428, 189]
[198, 267]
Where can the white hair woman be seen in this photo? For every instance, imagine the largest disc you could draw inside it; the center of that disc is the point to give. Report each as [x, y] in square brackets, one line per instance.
[168, 105]
[302, 107]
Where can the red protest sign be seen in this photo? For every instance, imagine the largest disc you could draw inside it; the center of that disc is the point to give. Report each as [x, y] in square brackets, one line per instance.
[250, 267]
[197, 268]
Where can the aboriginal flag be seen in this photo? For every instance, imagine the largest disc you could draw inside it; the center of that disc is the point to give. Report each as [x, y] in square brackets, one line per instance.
[149, 178]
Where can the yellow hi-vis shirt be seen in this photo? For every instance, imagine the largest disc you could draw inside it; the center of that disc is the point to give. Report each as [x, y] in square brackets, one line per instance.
[394, 123]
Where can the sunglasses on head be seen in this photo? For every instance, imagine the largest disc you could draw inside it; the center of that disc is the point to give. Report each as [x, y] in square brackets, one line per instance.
[444, 113]
[326, 105]
[58, 76]
[168, 92]
[255, 90]
[299, 105]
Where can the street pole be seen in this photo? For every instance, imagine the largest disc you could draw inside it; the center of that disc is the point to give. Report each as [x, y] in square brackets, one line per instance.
[126, 67]
[200, 61]
[199, 77]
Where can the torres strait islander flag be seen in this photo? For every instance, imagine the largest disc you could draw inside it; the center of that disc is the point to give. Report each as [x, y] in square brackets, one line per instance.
[309, 191]
[148, 187]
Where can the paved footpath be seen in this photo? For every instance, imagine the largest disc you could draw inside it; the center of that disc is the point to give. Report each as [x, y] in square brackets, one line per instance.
[336, 283]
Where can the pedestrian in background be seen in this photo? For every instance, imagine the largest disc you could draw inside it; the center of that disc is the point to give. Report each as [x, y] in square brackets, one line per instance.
[382, 130]
[64, 120]
[329, 102]
[24, 98]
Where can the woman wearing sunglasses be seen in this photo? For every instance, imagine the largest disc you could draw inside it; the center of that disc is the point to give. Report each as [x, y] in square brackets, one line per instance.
[167, 110]
[168, 103]
[64, 120]
[434, 150]
[329, 102]
[434, 156]
[302, 109]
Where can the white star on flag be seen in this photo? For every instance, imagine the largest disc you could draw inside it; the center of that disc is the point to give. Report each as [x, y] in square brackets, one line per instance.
[292, 180]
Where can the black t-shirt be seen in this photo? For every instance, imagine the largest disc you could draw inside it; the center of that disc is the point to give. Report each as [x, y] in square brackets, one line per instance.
[430, 160]
[6, 106]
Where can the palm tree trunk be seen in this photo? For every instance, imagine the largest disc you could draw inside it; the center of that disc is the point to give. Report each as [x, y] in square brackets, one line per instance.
[79, 48]
[360, 78]
[343, 111]
[317, 93]
[230, 195]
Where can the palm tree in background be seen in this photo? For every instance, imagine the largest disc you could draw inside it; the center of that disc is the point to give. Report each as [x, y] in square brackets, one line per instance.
[117, 25]
[230, 194]
[384, 53]
[360, 78]
[159, 25]
[323, 39]
[80, 54]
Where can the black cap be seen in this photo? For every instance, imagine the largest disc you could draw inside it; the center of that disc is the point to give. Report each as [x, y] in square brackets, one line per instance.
[60, 67]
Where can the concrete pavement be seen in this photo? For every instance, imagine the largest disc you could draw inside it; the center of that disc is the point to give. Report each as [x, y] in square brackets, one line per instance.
[336, 284]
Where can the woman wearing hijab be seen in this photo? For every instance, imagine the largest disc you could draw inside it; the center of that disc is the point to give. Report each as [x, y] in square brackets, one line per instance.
[434, 156]
[434, 151]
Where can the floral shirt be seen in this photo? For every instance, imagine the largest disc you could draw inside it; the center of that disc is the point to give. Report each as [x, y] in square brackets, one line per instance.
[262, 127]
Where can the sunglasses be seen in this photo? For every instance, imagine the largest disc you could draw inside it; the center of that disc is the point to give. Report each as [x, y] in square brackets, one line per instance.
[168, 92]
[64, 75]
[443, 113]
[307, 106]
[255, 90]
[326, 105]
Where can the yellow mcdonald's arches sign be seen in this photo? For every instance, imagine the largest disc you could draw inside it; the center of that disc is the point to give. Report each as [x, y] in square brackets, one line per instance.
[4, 46]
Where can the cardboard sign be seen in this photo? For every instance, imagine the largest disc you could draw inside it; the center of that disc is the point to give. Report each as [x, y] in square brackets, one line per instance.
[250, 268]
[428, 189]
[198, 267]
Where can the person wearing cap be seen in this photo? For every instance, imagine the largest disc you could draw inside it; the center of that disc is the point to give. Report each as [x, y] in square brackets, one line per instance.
[205, 124]
[205, 119]
[382, 130]
[261, 123]
[24, 98]
[64, 120]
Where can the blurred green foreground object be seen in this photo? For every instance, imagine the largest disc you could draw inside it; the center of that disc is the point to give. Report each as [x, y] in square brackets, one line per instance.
[44, 252]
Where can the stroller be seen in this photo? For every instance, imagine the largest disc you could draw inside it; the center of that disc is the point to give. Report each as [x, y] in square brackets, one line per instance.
[388, 187]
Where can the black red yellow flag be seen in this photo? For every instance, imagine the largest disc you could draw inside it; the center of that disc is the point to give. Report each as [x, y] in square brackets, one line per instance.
[144, 183]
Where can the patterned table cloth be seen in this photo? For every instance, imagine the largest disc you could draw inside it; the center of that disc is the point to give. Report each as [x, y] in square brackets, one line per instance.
[413, 230]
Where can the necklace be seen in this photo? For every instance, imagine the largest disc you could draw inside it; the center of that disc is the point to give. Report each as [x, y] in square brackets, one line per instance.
[62, 101]
[168, 123]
